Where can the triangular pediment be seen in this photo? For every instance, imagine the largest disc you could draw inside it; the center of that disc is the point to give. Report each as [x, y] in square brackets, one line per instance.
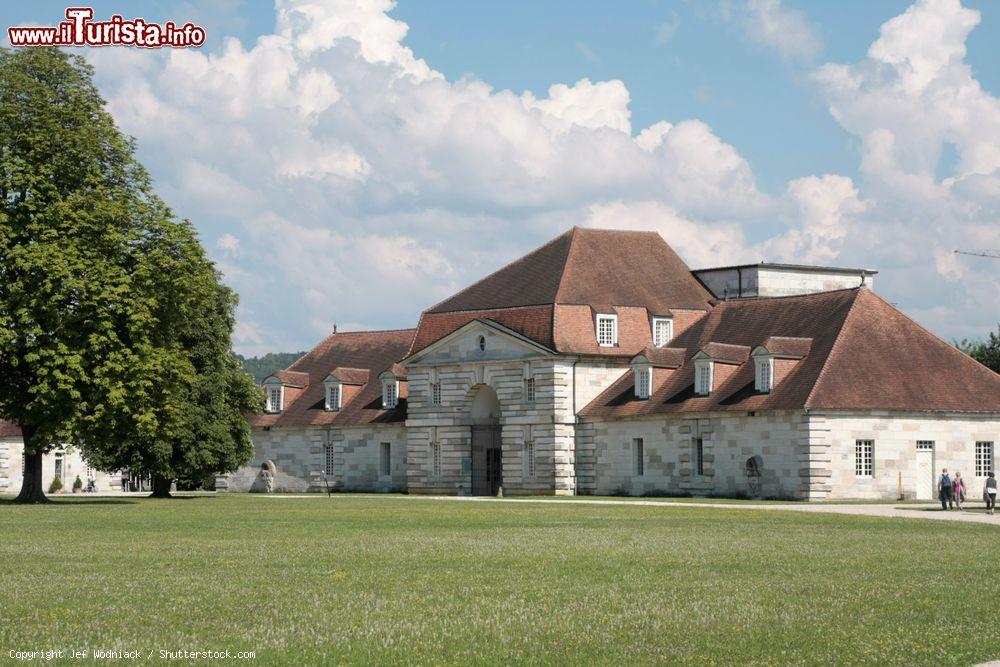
[479, 340]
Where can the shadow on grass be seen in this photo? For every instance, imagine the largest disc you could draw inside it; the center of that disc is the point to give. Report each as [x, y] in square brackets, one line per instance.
[88, 502]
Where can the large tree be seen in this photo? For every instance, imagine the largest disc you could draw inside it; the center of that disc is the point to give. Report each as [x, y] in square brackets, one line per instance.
[91, 266]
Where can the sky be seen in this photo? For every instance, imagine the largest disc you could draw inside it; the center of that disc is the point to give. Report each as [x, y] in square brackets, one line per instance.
[353, 162]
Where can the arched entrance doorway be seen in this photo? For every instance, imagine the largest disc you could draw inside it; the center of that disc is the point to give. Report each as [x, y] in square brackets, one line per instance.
[487, 453]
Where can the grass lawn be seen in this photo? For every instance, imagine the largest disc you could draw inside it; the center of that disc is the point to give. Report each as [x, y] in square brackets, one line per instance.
[403, 580]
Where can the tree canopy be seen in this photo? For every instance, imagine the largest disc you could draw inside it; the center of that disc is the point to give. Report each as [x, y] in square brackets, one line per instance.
[986, 351]
[94, 272]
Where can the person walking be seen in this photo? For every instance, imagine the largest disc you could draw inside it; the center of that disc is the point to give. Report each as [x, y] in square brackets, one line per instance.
[958, 490]
[944, 489]
[990, 493]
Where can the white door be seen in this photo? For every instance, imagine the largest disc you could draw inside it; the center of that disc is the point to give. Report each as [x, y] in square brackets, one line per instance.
[925, 474]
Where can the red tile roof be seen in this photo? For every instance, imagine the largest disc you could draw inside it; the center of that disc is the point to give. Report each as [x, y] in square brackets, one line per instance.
[9, 430]
[607, 270]
[864, 355]
[365, 351]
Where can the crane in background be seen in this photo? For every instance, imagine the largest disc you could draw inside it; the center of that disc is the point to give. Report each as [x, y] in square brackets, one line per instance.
[995, 254]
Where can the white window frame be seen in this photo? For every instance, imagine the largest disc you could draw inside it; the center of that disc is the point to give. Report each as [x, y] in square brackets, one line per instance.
[613, 322]
[390, 394]
[643, 382]
[639, 454]
[864, 458]
[668, 324]
[703, 380]
[384, 459]
[271, 389]
[529, 390]
[334, 396]
[984, 458]
[435, 393]
[764, 374]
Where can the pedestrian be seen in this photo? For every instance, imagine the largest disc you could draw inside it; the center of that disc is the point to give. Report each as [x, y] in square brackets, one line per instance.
[944, 489]
[990, 494]
[958, 490]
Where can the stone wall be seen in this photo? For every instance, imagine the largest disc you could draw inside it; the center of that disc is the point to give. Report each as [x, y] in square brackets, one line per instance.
[609, 454]
[895, 437]
[300, 457]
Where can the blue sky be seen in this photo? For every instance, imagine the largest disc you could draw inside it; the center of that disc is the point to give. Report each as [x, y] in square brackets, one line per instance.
[795, 131]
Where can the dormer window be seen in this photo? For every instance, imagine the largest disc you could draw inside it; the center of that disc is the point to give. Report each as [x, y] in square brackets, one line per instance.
[333, 396]
[643, 382]
[607, 330]
[703, 373]
[764, 377]
[275, 398]
[663, 331]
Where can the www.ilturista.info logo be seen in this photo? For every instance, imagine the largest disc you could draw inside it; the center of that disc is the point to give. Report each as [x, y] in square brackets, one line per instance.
[79, 30]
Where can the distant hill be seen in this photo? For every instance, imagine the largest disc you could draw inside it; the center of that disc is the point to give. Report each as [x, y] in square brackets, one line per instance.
[261, 367]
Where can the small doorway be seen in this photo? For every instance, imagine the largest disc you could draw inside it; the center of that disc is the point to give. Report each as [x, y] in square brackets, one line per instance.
[487, 460]
[925, 470]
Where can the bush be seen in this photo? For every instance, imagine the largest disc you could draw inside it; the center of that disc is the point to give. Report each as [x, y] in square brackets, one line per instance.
[77, 483]
[56, 485]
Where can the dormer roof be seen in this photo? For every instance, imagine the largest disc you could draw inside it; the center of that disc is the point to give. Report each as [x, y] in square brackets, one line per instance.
[785, 347]
[661, 357]
[288, 378]
[724, 353]
[353, 376]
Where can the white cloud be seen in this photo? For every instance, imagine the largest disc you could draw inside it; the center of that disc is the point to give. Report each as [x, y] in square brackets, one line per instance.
[666, 30]
[363, 186]
[784, 30]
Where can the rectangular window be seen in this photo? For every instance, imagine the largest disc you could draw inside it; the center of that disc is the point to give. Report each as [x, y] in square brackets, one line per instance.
[385, 459]
[529, 459]
[699, 456]
[663, 331]
[925, 445]
[328, 471]
[529, 390]
[435, 393]
[274, 399]
[640, 456]
[703, 379]
[607, 330]
[864, 454]
[765, 375]
[389, 395]
[333, 400]
[642, 382]
[984, 458]
[436, 459]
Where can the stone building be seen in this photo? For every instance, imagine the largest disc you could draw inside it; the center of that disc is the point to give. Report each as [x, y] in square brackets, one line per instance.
[65, 463]
[601, 364]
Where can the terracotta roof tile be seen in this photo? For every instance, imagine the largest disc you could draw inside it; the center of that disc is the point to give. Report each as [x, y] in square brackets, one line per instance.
[372, 351]
[665, 357]
[633, 274]
[864, 355]
[292, 378]
[730, 354]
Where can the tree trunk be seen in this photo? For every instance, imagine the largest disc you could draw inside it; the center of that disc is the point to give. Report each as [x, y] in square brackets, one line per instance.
[161, 487]
[32, 490]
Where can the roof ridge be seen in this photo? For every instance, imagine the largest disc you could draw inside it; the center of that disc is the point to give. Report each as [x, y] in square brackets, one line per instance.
[833, 349]
[751, 299]
[571, 232]
[371, 331]
[562, 271]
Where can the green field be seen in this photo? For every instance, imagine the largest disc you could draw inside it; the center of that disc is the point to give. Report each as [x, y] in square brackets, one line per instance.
[402, 580]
